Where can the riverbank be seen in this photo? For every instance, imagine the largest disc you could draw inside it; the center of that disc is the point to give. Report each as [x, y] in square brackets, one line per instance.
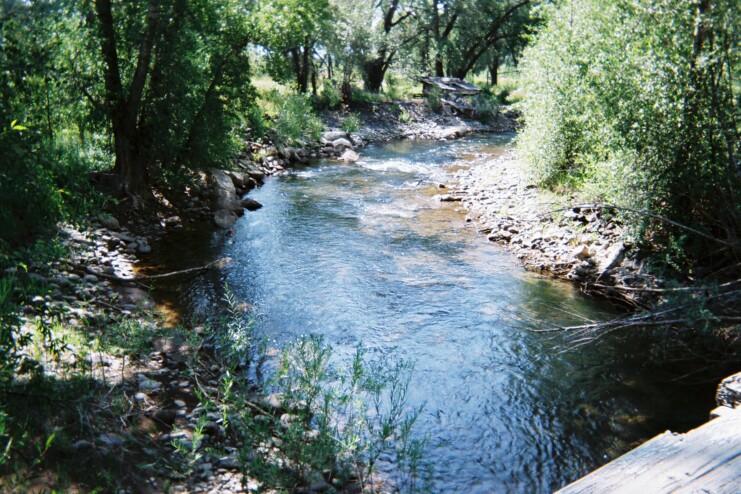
[120, 389]
[554, 234]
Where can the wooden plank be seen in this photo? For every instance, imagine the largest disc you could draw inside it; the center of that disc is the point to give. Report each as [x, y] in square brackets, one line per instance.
[704, 460]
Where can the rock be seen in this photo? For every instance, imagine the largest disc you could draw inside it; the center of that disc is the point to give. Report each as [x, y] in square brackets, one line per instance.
[91, 278]
[449, 198]
[123, 236]
[211, 428]
[172, 222]
[274, 401]
[82, 445]
[225, 218]
[150, 385]
[350, 156]
[340, 144]
[334, 135]
[165, 416]
[228, 462]
[111, 440]
[223, 192]
[250, 204]
[144, 248]
[108, 221]
[501, 235]
[582, 253]
[142, 397]
[37, 278]
[613, 257]
[729, 392]
[179, 403]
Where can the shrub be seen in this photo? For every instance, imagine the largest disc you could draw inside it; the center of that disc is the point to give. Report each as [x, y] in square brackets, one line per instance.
[434, 99]
[632, 102]
[487, 107]
[296, 121]
[258, 126]
[339, 422]
[41, 183]
[330, 96]
[352, 123]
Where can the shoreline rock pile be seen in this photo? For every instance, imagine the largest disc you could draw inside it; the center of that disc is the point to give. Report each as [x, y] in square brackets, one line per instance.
[549, 234]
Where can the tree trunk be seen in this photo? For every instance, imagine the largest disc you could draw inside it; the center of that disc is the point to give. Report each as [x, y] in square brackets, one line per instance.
[375, 71]
[494, 71]
[122, 108]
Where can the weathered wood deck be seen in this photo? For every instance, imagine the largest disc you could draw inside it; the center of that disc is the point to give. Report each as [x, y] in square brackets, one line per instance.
[704, 460]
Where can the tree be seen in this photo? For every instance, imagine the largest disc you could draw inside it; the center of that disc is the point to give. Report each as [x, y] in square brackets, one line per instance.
[148, 50]
[386, 18]
[292, 31]
[634, 101]
[486, 26]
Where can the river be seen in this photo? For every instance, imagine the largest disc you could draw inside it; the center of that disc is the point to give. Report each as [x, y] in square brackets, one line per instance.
[364, 254]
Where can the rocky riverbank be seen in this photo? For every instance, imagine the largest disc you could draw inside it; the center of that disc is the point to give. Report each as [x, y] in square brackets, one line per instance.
[224, 190]
[158, 390]
[553, 233]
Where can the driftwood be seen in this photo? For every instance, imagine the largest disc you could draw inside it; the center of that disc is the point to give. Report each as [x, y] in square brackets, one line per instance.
[219, 263]
[706, 459]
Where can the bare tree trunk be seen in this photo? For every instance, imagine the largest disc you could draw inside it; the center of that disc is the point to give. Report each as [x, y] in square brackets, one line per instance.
[494, 70]
[123, 108]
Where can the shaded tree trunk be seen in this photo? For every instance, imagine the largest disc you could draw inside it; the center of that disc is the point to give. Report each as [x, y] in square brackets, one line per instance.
[123, 106]
[494, 70]
[374, 73]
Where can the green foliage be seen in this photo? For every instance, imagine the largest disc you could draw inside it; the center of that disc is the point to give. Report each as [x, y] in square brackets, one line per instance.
[41, 183]
[338, 422]
[405, 117]
[296, 121]
[330, 96]
[361, 98]
[633, 102]
[352, 123]
[487, 107]
[291, 30]
[434, 99]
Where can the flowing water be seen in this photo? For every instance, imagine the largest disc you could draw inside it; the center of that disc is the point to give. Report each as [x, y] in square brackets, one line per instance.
[363, 253]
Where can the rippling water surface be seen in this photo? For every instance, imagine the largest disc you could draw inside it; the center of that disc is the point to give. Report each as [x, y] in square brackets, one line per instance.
[363, 253]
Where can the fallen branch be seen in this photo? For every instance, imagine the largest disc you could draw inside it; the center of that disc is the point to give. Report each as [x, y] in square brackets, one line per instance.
[219, 263]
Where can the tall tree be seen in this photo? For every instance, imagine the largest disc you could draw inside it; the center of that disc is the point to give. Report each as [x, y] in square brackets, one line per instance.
[292, 31]
[487, 25]
[387, 18]
[168, 65]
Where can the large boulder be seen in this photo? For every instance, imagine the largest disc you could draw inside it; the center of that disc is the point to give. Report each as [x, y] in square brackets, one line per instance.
[223, 218]
[341, 144]
[223, 193]
[250, 204]
[333, 135]
[350, 156]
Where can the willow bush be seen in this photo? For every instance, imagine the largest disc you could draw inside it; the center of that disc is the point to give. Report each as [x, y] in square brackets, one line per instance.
[632, 102]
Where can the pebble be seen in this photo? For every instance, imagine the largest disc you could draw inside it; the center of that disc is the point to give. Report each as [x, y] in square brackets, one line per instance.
[111, 440]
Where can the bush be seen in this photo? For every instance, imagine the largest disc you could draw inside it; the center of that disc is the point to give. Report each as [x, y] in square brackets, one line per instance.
[631, 102]
[339, 422]
[41, 183]
[258, 126]
[351, 123]
[330, 96]
[296, 121]
[434, 99]
[487, 107]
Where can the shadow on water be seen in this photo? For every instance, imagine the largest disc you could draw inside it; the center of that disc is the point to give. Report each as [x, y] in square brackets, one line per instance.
[364, 254]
